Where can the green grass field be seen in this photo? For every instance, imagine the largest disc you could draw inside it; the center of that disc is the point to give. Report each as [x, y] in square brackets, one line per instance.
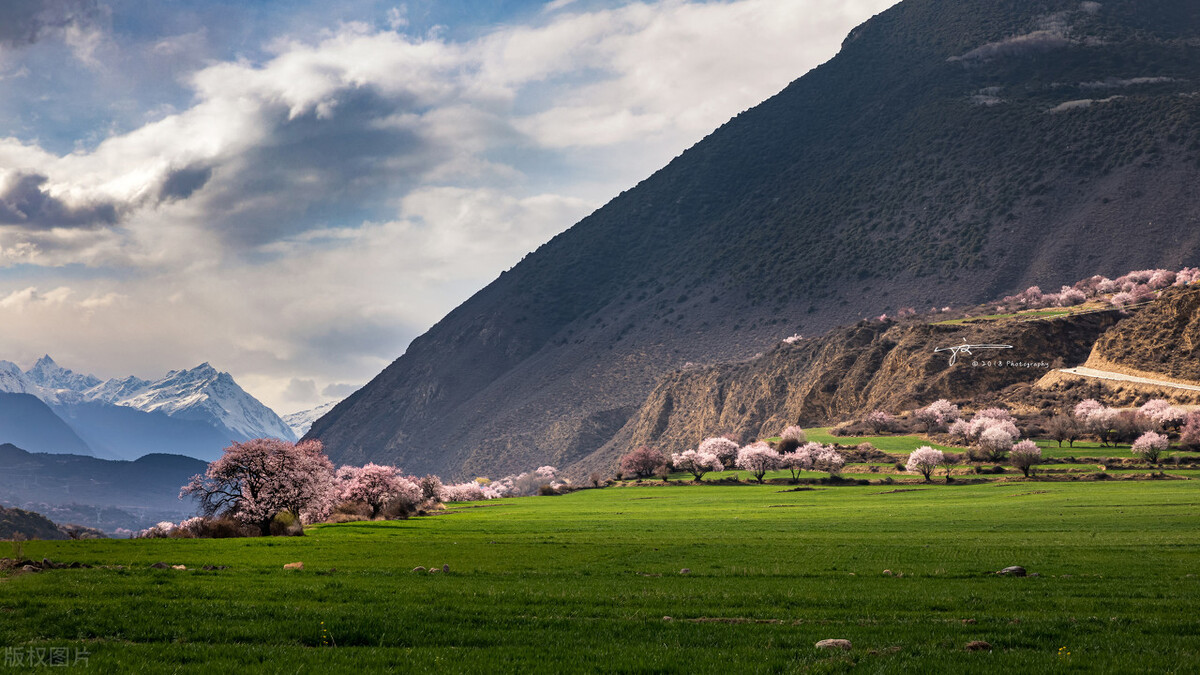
[582, 582]
[893, 444]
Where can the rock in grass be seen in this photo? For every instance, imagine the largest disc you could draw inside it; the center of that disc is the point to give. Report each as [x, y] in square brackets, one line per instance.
[445, 567]
[294, 566]
[178, 567]
[834, 644]
[887, 573]
[685, 571]
[419, 570]
[31, 568]
[160, 566]
[1013, 571]
[434, 570]
[978, 646]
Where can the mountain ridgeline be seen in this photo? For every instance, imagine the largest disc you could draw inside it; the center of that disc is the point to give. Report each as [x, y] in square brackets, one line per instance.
[874, 365]
[195, 412]
[954, 151]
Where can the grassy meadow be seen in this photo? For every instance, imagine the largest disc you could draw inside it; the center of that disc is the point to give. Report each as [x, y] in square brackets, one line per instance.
[586, 581]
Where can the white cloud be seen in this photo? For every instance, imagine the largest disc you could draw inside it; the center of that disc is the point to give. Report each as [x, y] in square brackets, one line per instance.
[555, 5]
[311, 212]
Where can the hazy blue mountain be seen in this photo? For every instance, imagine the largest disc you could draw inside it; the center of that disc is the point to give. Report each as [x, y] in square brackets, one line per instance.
[25, 420]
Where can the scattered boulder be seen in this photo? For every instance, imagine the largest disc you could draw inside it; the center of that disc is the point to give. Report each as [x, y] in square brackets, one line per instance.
[160, 566]
[294, 566]
[1013, 571]
[667, 618]
[419, 569]
[887, 573]
[834, 644]
[434, 570]
[685, 571]
[978, 646]
[445, 567]
[31, 568]
[178, 567]
[969, 621]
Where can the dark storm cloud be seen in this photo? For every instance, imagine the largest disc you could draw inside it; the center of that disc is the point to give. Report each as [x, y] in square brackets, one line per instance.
[25, 202]
[317, 167]
[24, 22]
[181, 183]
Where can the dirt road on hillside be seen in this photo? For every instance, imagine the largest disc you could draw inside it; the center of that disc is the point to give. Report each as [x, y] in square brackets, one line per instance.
[1106, 375]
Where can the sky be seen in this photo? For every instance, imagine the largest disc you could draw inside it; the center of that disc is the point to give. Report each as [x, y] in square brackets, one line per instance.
[293, 191]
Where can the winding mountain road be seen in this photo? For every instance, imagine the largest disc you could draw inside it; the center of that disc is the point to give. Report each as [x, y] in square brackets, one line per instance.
[1119, 377]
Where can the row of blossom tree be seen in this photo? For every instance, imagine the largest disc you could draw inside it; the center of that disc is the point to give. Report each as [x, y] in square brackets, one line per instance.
[255, 481]
[1129, 289]
[718, 453]
[992, 433]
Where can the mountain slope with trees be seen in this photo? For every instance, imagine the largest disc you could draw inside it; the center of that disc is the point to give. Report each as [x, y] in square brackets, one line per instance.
[952, 152]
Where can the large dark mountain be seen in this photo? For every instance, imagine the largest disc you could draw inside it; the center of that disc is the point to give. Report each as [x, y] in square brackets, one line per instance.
[952, 152]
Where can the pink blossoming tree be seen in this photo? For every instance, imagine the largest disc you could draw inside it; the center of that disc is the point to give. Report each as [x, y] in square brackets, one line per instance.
[256, 480]
[758, 458]
[1025, 455]
[696, 463]
[924, 460]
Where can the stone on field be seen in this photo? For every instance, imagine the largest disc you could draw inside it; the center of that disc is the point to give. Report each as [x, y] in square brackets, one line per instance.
[834, 644]
[434, 570]
[160, 566]
[1013, 571]
[294, 566]
[445, 567]
[887, 573]
[978, 646]
[685, 571]
[178, 567]
[418, 569]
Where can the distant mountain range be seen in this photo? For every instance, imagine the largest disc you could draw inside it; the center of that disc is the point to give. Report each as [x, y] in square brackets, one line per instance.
[194, 412]
[954, 151]
[104, 494]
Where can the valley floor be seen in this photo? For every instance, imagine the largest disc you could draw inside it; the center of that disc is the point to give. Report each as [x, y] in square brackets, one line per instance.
[590, 581]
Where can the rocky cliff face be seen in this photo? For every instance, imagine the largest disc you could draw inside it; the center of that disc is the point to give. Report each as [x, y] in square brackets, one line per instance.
[955, 151]
[1162, 339]
[874, 365]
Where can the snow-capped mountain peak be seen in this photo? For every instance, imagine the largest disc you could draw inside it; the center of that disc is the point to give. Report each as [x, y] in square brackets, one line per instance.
[202, 393]
[302, 421]
[13, 380]
[49, 375]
